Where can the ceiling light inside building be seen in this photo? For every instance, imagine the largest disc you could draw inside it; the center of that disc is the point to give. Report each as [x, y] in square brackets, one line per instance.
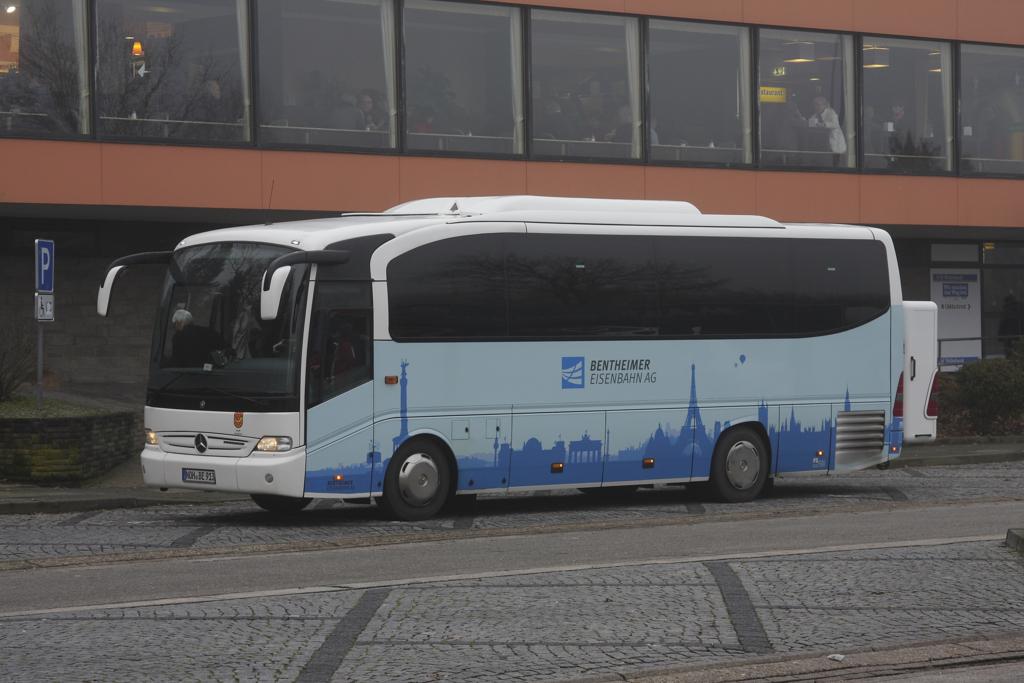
[11, 9]
[799, 52]
[876, 57]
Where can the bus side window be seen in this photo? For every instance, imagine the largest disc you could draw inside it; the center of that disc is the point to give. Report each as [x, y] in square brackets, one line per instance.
[340, 345]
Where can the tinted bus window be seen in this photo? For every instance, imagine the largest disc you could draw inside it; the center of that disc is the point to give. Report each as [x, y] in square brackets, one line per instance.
[581, 286]
[452, 289]
[838, 284]
[722, 287]
[340, 340]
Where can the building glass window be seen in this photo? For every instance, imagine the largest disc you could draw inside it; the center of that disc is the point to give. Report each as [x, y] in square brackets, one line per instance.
[805, 99]
[172, 69]
[44, 77]
[327, 72]
[907, 103]
[991, 109]
[585, 79]
[699, 93]
[463, 77]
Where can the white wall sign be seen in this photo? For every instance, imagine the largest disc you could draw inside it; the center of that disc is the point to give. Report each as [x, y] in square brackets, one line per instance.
[957, 292]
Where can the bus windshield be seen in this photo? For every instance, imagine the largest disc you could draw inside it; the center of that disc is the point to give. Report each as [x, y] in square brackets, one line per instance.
[211, 350]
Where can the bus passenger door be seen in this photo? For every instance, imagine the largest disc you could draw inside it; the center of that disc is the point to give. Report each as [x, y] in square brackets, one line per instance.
[552, 450]
[340, 448]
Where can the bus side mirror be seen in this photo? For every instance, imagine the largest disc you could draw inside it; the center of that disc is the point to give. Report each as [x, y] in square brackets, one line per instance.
[270, 298]
[103, 296]
[115, 268]
[280, 268]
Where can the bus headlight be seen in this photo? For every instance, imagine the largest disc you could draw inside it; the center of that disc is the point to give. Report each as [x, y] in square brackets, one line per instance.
[274, 444]
[151, 438]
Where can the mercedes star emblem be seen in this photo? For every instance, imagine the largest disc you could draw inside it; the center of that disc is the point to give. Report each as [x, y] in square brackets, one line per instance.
[200, 443]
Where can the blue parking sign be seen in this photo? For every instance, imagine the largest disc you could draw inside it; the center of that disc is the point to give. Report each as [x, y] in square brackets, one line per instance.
[44, 266]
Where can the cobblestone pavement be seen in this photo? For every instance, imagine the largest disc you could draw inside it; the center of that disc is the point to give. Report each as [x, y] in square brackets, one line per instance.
[544, 626]
[240, 526]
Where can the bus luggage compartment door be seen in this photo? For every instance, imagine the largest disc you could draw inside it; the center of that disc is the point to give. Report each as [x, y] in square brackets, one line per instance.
[557, 449]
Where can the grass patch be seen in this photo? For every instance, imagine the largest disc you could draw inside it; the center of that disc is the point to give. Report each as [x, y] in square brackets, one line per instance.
[23, 407]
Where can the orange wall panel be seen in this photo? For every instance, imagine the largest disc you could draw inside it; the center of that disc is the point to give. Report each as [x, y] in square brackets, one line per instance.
[908, 200]
[933, 18]
[717, 10]
[425, 177]
[148, 175]
[33, 171]
[809, 197]
[991, 202]
[721, 192]
[49, 172]
[828, 14]
[585, 180]
[341, 182]
[995, 21]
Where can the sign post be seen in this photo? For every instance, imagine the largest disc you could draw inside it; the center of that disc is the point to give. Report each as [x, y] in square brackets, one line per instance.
[45, 266]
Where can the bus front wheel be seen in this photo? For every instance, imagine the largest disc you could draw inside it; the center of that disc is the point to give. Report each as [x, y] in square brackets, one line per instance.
[283, 505]
[739, 468]
[417, 482]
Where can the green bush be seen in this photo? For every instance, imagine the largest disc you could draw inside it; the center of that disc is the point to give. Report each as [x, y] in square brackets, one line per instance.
[17, 348]
[985, 397]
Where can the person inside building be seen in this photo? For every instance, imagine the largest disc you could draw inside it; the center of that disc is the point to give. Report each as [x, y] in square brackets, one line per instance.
[825, 116]
[374, 112]
[192, 345]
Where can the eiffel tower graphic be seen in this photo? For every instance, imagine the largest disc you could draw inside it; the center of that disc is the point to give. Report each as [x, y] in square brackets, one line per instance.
[693, 419]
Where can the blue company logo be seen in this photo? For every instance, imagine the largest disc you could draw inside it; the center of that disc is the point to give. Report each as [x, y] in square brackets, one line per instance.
[572, 372]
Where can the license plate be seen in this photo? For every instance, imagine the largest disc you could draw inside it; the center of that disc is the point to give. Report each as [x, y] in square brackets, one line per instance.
[198, 476]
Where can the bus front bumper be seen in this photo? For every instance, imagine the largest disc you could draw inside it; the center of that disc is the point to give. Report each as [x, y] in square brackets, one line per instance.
[280, 474]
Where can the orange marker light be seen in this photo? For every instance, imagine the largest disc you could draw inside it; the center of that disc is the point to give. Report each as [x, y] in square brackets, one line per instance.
[648, 463]
[390, 379]
[339, 477]
[821, 453]
[557, 467]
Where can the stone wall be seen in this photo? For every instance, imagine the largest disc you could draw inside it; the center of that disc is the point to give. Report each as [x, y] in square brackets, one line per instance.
[67, 450]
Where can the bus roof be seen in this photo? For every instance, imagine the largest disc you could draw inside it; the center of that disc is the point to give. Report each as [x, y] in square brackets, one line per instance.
[425, 213]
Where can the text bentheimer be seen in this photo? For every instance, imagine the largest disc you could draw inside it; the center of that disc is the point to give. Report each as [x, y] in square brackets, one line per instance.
[457, 346]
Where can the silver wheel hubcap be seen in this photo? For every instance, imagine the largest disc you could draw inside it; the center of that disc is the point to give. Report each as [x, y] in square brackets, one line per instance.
[742, 465]
[418, 480]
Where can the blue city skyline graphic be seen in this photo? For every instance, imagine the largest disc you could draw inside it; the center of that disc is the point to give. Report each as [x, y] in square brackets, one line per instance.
[678, 452]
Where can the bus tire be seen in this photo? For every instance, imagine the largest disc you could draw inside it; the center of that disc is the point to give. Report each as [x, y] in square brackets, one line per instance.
[281, 505]
[417, 482]
[739, 468]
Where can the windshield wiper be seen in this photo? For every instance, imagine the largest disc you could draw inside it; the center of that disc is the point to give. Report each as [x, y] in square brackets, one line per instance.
[225, 392]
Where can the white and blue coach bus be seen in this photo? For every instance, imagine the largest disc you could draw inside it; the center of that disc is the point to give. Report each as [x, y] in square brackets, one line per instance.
[490, 344]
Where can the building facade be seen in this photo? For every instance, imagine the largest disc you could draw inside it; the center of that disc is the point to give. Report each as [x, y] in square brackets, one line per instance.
[126, 124]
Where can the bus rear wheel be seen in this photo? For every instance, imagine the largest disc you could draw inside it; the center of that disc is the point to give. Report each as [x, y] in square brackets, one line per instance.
[739, 468]
[417, 482]
[282, 505]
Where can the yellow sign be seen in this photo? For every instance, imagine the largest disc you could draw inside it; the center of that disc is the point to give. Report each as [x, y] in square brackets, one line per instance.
[772, 93]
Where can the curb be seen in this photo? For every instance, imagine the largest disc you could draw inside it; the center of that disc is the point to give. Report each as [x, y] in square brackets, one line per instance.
[31, 507]
[1015, 540]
